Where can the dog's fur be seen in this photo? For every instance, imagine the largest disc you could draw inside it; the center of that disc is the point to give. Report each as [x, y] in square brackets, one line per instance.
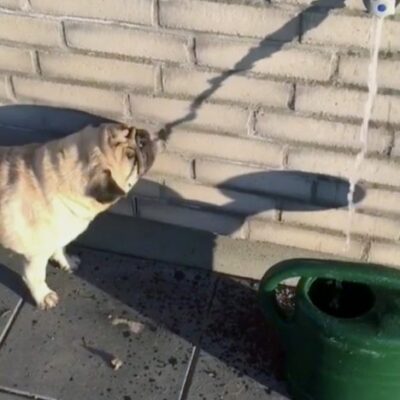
[49, 193]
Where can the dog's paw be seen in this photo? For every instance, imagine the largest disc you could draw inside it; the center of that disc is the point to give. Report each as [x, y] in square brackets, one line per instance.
[72, 263]
[66, 262]
[49, 301]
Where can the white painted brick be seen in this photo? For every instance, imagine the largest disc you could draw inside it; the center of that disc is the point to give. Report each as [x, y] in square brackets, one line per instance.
[295, 128]
[36, 31]
[288, 62]
[354, 70]
[123, 207]
[77, 97]
[232, 19]
[11, 4]
[230, 119]
[228, 147]
[337, 220]
[172, 164]
[235, 88]
[150, 186]
[395, 152]
[381, 200]
[96, 69]
[281, 183]
[340, 165]
[348, 4]
[385, 253]
[192, 218]
[225, 199]
[344, 30]
[346, 103]
[134, 11]
[303, 238]
[125, 41]
[3, 89]
[14, 59]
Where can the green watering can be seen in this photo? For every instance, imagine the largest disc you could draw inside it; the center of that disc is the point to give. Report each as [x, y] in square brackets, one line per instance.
[342, 341]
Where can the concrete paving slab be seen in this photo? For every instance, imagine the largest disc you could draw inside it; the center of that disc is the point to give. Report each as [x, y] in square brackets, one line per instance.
[10, 289]
[144, 313]
[10, 396]
[239, 354]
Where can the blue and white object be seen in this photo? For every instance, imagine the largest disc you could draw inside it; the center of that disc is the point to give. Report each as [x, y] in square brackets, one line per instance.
[382, 8]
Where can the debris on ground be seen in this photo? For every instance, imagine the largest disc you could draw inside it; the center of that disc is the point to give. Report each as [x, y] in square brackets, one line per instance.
[286, 299]
[133, 326]
[4, 313]
[116, 363]
[109, 358]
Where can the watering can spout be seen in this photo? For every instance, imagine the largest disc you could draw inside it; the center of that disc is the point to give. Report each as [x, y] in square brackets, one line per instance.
[382, 8]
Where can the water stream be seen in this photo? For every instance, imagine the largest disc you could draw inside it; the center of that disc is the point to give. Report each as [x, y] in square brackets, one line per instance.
[354, 177]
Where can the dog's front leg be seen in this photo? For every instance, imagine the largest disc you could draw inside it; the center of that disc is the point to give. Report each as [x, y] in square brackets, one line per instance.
[34, 275]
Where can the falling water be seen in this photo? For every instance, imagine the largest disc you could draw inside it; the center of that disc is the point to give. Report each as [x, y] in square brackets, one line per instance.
[376, 31]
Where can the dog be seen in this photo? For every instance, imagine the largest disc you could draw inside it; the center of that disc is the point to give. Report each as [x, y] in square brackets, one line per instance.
[49, 194]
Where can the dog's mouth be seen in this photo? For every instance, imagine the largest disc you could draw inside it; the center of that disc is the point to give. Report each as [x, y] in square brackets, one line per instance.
[145, 152]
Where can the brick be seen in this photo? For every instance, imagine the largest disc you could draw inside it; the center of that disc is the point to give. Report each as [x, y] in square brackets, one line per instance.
[352, 31]
[172, 164]
[348, 4]
[96, 69]
[384, 253]
[253, 151]
[266, 58]
[60, 94]
[192, 218]
[225, 118]
[131, 42]
[281, 183]
[35, 31]
[224, 200]
[150, 186]
[123, 207]
[11, 4]
[3, 88]
[381, 171]
[395, 151]
[134, 11]
[386, 201]
[354, 70]
[346, 103]
[299, 237]
[14, 59]
[231, 19]
[337, 220]
[294, 128]
[233, 89]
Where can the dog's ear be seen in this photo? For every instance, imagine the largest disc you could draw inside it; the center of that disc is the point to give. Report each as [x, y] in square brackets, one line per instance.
[119, 133]
[104, 189]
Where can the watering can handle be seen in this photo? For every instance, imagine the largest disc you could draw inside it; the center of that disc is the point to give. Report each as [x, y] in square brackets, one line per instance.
[369, 274]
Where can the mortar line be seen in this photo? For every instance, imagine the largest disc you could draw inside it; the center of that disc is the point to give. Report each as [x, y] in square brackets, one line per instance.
[23, 393]
[10, 322]
[188, 378]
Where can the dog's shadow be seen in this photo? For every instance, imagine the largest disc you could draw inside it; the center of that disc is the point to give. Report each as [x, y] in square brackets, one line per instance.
[252, 340]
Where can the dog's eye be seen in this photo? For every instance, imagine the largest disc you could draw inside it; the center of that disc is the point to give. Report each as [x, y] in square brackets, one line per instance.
[141, 141]
[130, 153]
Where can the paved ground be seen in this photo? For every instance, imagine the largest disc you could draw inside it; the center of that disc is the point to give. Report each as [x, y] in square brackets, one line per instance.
[180, 333]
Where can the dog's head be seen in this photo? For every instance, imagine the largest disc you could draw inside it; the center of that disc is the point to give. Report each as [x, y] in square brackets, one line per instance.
[125, 154]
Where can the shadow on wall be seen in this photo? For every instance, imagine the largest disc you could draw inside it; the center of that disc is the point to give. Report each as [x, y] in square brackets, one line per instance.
[264, 49]
[23, 124]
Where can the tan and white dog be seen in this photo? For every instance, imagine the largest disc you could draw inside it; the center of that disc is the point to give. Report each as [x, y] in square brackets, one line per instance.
[49, 193]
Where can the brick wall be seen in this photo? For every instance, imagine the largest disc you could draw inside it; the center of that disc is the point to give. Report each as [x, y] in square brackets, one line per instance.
[263, 102]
